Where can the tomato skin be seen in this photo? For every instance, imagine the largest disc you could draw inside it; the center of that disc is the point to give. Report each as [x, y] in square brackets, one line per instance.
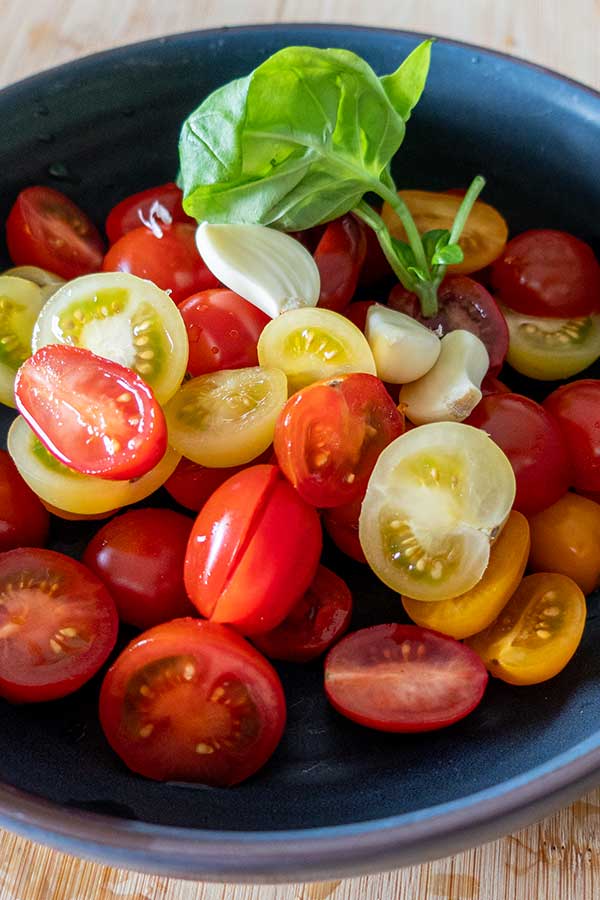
[199, 676]
[318, 619]
[329, 435]
[434, 684]
[46, 229]
[544, 272]
[339, 256]
[130, 212]
[139, 556]
[463, 303]
[493, 385]
[192, 484]
[223, 330]
[575, 407]
[357, 312]
[375, 268]
[565, 538]
[24, 521]
[533, 444]
[253, 551]
[172, 261]
[39, 660]
[341, 524]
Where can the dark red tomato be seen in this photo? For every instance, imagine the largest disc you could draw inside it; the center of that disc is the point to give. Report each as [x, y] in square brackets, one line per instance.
[223, 330]
[171, 261]
[253, 551]
[575, 407]
[463, 303]
[533, 444]
[139, 557]
[136, 210]
[375, 268]
[317, 620]
[548, 273]
[493, 385]
[192, 701]
[357, 312]
[339, 258]
[309, 237]
[191, 484]
[96, 416]
[58, 625]
[403, 678]
[44, 228]
[341, 524]
[329, 435]
[24, 520]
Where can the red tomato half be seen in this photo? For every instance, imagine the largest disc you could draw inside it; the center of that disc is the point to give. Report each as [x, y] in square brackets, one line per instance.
[58, 625]
[171, 261]
[24, 520]
[339, 258]
[44, 228]
[329, 435]
[192, 484]
[403, 678]
[96, 416]
[548, 273]
[317, 620]
[463, 303]
[192, 701]
[575, 407]
[223, 330]
[139, 557]
[533, 444]
[134, 211]
[253, 551]
[341, 524]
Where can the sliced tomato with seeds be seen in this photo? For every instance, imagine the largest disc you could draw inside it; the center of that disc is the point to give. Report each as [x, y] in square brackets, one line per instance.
[192, 701]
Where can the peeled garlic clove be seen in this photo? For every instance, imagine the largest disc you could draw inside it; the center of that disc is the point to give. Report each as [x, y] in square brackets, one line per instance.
[404, 350]
[271, 270]
[450, 391]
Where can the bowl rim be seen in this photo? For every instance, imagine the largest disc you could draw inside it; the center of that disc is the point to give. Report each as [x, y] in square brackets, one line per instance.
[367, 846]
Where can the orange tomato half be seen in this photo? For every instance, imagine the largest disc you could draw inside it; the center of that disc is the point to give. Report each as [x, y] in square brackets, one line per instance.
[565, 538]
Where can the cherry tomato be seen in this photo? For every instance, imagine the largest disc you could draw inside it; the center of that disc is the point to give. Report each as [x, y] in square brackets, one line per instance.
[192, 701]
[357, 312]
[375, 268]
[317, 620]
[44, 228]
[465, 304]
[223, 330]
[403, 678]
[94, 415]
[253, 551]
[24, 521]
[493, 385]
[171, 261]
[58, 625]
[309, 237]
[339, 256]
[575, 408]
[341, 524]
[139, 557]
[329, 435]
[78, 517]
[565, 538]
[543, 272]
[533, 444]
[191, 484]
[134, 211]
[537, 633]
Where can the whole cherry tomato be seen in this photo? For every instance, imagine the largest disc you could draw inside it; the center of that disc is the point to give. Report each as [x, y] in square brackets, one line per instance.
[357, 312]
[339, 257]
[565, 538]
[575, 407]
[341, 524]
[24, 521]
[136, 210]
[192, 484]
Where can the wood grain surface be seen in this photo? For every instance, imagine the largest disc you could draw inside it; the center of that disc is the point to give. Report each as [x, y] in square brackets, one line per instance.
[557, 859]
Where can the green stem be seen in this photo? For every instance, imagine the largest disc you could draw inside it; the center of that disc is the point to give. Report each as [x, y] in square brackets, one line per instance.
[464, 211]
[374, 221]
[412, 233]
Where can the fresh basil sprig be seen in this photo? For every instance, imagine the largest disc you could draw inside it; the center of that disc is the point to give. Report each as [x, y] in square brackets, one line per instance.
[301, 140]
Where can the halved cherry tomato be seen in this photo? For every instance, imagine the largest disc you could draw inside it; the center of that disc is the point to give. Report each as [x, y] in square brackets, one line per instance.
[192, 701]
[139, 556]
[191, 484]
[223, 330]
[532, 442]
[58, 625]
[403, 678]
[134, 211]
[544, 272]
[484, 235]
[471, 612]
[463, 304]
[171, 261]
[317, 620]
[339, 256]
[575, 408]
[20, 304]
[94, 415]
[565, 538]
[23, 520]
[329, 435]
[78, 517]
[44, 228]
[537, 633]
[341, 524]
[253, 551]
[357, 312]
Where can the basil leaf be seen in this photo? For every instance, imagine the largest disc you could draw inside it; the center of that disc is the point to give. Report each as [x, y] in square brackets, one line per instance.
[448, 256]
[434, 240]
[405, 86]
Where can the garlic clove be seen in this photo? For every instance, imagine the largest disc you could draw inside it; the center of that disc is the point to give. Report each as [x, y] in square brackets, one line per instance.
[404, 350]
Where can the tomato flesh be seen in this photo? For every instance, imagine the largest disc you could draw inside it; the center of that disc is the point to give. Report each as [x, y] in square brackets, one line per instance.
[24, 521]
[575, 407]
[339, 256]
[133, 211]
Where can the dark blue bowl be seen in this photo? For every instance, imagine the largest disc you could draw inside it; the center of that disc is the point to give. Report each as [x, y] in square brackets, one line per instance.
[335, 799]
